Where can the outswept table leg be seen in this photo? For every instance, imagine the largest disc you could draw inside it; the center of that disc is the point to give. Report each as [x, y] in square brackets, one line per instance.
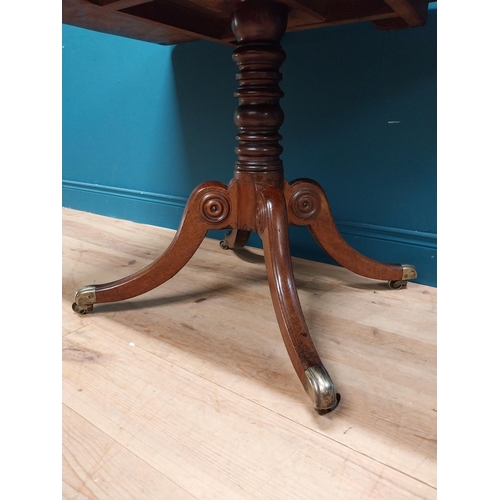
[208, 207]
[273, 229]
[308, 206]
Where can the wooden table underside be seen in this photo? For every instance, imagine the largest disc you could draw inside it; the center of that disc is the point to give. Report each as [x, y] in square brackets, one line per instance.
[258, 198]
[176, 21]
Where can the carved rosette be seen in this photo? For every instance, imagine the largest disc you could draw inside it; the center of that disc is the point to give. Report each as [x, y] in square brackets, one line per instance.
[258, 29]
[215, 207]
[304, 203]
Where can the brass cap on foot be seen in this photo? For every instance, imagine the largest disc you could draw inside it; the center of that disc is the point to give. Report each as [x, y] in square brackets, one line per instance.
[409, 272]
[85, 296]
[319, 387]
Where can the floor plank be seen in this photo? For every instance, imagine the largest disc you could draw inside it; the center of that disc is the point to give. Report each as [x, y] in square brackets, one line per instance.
[98, 467]
[194, 381]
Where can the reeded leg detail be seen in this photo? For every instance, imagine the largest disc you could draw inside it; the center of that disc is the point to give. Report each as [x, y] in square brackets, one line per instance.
[208, 207]
[308, 206]
[273, 229]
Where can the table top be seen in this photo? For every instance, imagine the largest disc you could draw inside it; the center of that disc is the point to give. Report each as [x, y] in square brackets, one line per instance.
[170, 22]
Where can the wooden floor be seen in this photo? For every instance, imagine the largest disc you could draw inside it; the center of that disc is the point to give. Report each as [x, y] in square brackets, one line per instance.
[187, 392]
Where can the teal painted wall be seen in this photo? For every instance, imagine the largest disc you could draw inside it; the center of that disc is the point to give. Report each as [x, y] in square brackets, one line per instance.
[144, 124]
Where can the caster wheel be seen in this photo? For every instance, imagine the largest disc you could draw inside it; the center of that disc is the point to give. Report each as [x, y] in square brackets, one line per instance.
[329, 410]
[223, 245]
[82, 309]
[398, 284]
[84, 300]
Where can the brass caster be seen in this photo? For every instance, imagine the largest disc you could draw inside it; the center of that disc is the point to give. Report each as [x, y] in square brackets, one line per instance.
[409, 272]
[84, 300]
[398, 284]
[82, 309]
[319, 387]
[224, 244]
[329, 410]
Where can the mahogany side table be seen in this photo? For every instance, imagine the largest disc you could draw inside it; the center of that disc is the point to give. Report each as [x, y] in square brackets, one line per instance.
[258, 198]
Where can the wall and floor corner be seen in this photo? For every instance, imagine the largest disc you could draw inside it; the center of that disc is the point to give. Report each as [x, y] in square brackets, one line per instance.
[144, 124]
